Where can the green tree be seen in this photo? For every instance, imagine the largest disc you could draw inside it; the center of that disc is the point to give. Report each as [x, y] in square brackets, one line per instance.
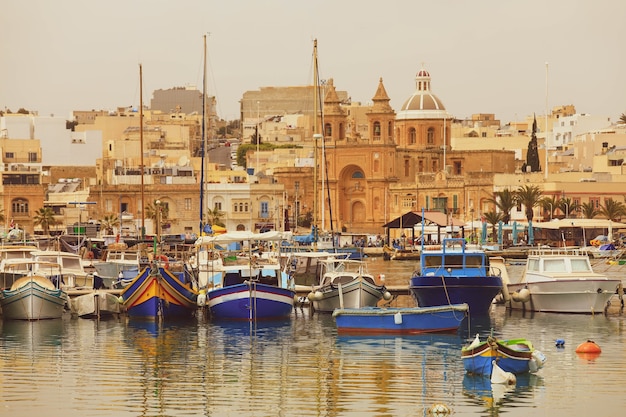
[612, 210]
[109, 222]
[567, 206]
[588, 210]
[152, 210]
[214, 217]
[494, 218]
[2, 216]
[44, 217]
[549, 204]
[529, 196]
[622, 118]
[504, 201]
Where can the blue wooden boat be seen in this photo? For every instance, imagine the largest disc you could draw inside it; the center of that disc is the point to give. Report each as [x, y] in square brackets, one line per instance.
[157, 293]
[452, 274]
[254, 290]
[411, 320]
[517, 356]
[247, 285]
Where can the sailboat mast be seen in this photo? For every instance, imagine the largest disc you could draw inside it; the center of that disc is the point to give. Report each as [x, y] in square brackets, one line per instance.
[202, 146]
[143, 205]
[316, 136]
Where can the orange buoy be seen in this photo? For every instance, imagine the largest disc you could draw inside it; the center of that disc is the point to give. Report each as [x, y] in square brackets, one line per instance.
[588, 347]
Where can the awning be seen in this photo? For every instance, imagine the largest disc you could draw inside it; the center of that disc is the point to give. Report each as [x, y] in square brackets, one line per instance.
[579, 223]
[412, 218]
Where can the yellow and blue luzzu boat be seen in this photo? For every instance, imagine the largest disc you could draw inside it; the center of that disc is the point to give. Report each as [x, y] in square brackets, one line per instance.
[157, 293]
[514, 355]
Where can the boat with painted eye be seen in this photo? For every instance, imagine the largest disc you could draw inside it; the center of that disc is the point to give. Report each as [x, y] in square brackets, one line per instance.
[517, 356]
[560, 280]
[158, 293]
[450, 273]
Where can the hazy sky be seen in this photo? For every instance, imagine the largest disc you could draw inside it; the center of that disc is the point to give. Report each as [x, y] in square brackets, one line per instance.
[483, 56]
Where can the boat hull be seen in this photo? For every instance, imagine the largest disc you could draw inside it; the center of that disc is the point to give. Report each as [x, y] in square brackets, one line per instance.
[95, 304]
[375, 320]
[32, 301]
[586, 296]
[477, 292]
[358, 293]
[157, 293]
[516, 356]
[250, 301]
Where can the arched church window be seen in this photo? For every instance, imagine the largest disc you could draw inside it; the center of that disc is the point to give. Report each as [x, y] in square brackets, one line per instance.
[376, 130]
[431, 135]
[412, 136]
[328, 130]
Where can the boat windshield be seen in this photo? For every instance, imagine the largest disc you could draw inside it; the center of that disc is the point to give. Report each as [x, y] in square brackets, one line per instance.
[453, 261]
[580, 265]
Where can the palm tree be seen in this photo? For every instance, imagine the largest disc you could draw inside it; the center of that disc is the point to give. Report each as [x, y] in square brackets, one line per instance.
[494, 218]
[588, 210]
[567, 206]
[622, 118]
[2, 217]
[44, 217]
[152, 210]
[214, 217]
[504, 201]
[613, 210]
[529, 196]
[109, 222]
[549, 204]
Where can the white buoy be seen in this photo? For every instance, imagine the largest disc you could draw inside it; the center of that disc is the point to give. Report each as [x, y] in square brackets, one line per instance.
[397, 318]
[499, 376]
[387, 295]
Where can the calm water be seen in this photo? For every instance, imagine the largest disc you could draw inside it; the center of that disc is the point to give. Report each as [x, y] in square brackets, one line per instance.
[300, 367]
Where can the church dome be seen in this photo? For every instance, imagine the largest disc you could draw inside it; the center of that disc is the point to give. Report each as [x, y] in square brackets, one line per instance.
[423, 104]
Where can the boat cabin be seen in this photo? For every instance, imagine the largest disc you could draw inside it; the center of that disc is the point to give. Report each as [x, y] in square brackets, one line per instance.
[453, 258]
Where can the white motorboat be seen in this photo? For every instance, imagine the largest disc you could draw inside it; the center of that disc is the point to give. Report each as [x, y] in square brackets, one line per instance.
[560, 281]
[345, 283]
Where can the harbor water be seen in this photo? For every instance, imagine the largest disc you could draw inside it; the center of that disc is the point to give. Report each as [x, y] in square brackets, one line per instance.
[301, 367]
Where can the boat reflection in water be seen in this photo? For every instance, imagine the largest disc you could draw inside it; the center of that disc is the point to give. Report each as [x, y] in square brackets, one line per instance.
[498, 398]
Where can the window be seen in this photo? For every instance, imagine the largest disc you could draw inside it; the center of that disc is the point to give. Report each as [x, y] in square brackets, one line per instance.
[406, 167]
[431, 135]
[595, 202]
[9, 155]
[108, 205]
[265, 210]
[420, 166]
[457, 167]
[390, 129]
[328, 130]
[187, 203]
[19, 206]
[376, 130]
[412, 136]
[32, 156]
[217, 206]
